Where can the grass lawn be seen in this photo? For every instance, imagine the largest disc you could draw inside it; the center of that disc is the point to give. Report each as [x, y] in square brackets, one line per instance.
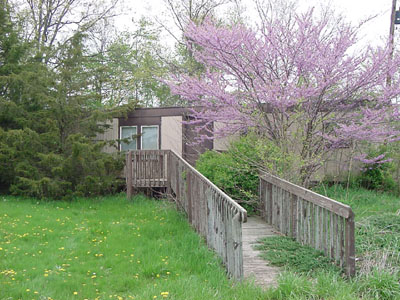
[309, 275]
[107, 248]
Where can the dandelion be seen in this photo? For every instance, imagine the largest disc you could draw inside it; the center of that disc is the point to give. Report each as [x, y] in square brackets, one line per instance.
[75, 293]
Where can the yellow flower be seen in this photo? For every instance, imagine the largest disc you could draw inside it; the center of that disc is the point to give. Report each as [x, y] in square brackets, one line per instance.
[28, 290]
[75, 293]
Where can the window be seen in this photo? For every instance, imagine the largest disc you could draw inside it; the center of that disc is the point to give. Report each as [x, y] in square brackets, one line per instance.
[150, 137]
[129, 132]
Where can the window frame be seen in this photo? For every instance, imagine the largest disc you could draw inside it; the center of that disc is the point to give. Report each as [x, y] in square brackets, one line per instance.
[158, 136]
[120, 136]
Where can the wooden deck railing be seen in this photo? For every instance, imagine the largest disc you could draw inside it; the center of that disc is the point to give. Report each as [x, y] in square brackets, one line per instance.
[212, 213]
[310, 218]
[148, 168]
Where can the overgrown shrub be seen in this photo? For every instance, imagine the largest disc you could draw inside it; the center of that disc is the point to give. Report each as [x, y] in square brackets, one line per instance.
[239, 179]
[29, 169]
[237, 170]
[377, 175]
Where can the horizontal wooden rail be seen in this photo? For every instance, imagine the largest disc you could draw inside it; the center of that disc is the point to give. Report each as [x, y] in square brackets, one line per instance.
[310, 218]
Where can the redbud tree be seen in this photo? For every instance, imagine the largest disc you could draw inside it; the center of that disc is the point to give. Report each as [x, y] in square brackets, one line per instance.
[301, 82]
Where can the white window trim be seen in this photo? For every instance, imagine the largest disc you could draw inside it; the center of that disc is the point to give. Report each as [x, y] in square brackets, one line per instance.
[158, 135]
[120, 135]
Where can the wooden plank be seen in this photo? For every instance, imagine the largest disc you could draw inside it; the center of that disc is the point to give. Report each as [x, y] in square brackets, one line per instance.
[327, 231]
[300, 220]
[342, 237]
[350, 246]
[188, 196]
[294, 216]
[238, 252]
[262, 199]
[270, 202]
[284, 206]
[129, 175]
[331, 235]
[337, 239]
[312, 225]
[298, 216]
[308, 223]
[330, 204]
[230, 259]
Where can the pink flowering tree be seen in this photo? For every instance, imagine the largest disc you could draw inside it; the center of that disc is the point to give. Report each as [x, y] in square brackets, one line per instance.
[298, 81]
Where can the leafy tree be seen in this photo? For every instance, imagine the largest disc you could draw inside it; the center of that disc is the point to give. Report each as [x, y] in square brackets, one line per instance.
[48, 119]
[127, 67]
[49, 24]
[295, 80]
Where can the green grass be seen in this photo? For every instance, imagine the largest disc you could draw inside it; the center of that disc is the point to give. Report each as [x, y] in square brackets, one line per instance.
[283, 251]
[107, 248]
[364, 202]
[308, 276]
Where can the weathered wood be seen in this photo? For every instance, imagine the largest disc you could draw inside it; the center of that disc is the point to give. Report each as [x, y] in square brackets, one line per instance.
[212, 213]
[255, 267]
[129, 175]
[294, 216]
[325, 202]
[350, 247]
[269, 204]
[310, 218]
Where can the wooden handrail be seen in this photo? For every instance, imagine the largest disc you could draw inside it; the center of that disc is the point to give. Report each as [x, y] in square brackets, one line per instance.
[310, 218]
[320, 200]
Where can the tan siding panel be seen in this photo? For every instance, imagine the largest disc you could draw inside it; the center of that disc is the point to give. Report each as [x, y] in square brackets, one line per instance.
[171, 133]
[109, 135]
[222, 144]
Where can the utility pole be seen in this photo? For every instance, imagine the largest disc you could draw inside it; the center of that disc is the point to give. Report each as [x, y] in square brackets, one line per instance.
[392, 18]
[391, 38]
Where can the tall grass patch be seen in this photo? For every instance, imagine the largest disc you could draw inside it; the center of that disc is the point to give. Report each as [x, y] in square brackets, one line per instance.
[107, 248]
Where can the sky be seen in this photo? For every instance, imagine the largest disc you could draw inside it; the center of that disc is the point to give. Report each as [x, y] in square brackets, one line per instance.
[374, 32]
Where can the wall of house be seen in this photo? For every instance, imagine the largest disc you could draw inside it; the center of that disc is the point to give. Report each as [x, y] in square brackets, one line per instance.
[222, 144]
[171, 133]
[109, 135]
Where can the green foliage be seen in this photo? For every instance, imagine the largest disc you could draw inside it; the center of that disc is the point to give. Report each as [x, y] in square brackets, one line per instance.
[81, 170]
[236, 171]
[380, 285]
[236, 177]
[48, 122]
[283, 251]
[325, 285]
[377, 176]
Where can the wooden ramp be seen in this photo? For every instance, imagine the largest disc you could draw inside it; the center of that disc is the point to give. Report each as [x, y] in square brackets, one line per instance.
[255, 267]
